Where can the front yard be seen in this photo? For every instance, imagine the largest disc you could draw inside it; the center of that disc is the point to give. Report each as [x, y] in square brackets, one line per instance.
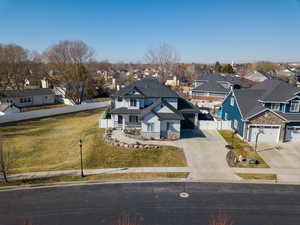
[241, 147]
[53, 144]
[103, 177]
[27, 109]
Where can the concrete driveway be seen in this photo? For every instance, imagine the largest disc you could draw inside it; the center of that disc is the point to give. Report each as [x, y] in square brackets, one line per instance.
[284, 160]
[206, 155]
[281, 156]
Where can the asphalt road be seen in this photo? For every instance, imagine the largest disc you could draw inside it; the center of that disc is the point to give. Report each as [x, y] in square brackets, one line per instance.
[152, 204]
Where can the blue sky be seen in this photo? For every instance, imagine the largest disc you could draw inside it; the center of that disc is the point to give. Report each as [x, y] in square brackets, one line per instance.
[201, 30]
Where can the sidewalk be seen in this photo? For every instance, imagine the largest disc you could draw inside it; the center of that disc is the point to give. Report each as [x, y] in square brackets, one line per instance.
[283, 175]
[48, 174]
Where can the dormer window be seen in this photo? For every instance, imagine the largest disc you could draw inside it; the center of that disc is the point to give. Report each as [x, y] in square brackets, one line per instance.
[133, 102]
[295, 106]
[275, 106]
[232, 101]
[120, 99]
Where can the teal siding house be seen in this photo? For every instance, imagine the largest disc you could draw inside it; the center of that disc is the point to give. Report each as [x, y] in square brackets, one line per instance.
[269, 110]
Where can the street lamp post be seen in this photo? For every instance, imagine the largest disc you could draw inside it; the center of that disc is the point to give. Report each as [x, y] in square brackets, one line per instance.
[232, 140]
[260, 131]
[81, 163]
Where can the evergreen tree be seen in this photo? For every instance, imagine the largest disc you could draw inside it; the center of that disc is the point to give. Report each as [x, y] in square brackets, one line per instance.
[227, 69]
[218, 67]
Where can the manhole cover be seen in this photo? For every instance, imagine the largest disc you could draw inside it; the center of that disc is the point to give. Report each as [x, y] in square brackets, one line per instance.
[184, 195]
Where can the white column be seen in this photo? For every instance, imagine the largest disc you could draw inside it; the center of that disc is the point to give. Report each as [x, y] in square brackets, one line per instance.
[123, 120]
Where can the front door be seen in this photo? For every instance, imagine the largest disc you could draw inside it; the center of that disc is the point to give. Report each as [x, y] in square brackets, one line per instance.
[120, 119]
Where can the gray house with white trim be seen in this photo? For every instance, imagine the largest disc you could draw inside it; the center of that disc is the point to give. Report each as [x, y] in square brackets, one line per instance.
[153, 108]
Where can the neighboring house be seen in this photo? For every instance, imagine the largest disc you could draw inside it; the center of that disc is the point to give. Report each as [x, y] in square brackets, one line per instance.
[63, 92]
[211, 89]
[172, 82]
[153, 108]
[28, 97]
[285, 73]
[271, 107]
[7, 108]
[257, 76]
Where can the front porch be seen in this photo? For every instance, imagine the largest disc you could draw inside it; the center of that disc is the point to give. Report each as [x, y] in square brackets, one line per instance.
[125, 121]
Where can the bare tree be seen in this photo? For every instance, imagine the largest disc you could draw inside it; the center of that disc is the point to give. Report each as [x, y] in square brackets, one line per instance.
[126, 220]
[14, 66]
[163, 58]
[220, 219]
[6, 160]
[67, 60]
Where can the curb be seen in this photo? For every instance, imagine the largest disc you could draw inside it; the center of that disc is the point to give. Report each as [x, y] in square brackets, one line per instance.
[122, 181]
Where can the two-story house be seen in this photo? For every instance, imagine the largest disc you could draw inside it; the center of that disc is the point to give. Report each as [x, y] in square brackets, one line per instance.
[271, 108]
[153, 108]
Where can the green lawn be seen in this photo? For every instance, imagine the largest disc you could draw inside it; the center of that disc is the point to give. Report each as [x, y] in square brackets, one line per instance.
[101, 99]
[241, 147]
[257, 176]
[26, 109]
[52, 144]
[123, 176]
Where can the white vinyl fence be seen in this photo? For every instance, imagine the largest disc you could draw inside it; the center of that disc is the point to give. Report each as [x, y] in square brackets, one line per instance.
[105, 123]
[51, 112]
[214, 125]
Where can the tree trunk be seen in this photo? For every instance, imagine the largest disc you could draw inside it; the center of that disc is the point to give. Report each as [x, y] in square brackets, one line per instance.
[4, 176]
[2, 163]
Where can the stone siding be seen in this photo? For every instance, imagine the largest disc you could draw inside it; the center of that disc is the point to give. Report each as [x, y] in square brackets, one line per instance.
[268, 118]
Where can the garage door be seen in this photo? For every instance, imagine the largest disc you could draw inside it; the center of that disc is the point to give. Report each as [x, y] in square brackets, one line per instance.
[293, 133]
[270, 133]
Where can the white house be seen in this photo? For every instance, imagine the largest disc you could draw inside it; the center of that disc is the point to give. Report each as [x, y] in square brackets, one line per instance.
[7, 108]
[27, 97]
[153, 108]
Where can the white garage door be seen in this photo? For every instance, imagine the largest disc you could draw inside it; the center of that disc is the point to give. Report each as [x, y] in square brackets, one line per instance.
[270, 133]
[293, 133]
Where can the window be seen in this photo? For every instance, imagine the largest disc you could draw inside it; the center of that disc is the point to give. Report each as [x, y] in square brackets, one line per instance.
[150, 127]
[295, 106]
[235, 124]
[232, 101]
[169, 125]
[226, 116]
[120, 99]
[275, 106]
[133, 102]
[133, 119]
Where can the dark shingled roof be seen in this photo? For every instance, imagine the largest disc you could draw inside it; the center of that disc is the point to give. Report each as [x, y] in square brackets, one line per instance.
[276, 91]
[211, 77]
[26, 92]
[212, 83]
[185, 106]
[248, 101]
[149, 87]
[169, 116]
[124, 110]
[209, 86]
[268, 91]
[291, 117]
